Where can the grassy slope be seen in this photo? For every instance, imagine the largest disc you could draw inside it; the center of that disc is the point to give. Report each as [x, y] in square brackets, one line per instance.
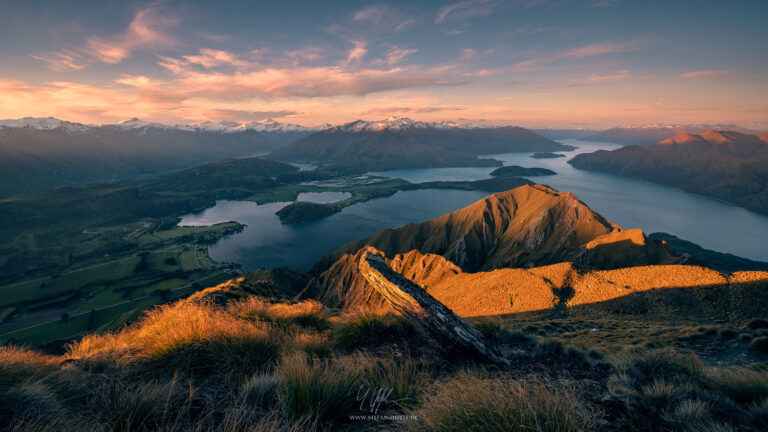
[248, 363]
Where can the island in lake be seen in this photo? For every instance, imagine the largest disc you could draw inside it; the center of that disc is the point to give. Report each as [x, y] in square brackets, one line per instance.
[518, 171]
[546, 155]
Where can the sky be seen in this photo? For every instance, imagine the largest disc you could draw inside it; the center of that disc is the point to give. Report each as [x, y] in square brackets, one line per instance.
[534, 63]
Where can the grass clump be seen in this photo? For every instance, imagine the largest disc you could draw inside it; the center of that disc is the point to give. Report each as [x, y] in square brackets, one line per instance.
[757, 324]
[367, 328]
[759, 344]
[743, 385]
[306, 314]
[491, 329]
[660, 364]
[192, 336]
[470, 401]
[321, 389]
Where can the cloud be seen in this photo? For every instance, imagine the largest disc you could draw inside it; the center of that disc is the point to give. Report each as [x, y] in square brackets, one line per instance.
[466, 9]
[209, 58]
[61, 60]
[215, 114]
[309, 53]
[358, 52]
[146, 30]
[620, 75]
[396, 55]
[580, 52]
[372, 14]
[706, 74]
[389, 111]
[468, 53]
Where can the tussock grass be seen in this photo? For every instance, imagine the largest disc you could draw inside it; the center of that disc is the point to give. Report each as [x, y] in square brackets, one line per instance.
[489, 328]
[18, 364]
[744, 385]
[142, 406]
[660, 364]
[367, 328]
[470, 401]
[306, 314]
[759, 344]
[757, 324]
[405, 377]
[194, 336]
[320, 389]
[315, 344]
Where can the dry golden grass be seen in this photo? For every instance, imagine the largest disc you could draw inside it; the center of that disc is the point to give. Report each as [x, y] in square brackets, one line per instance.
[471, 401]
[201, 336]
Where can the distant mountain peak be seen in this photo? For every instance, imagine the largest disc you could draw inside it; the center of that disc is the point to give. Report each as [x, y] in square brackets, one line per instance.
[137, 123]
[44, 123]
[391, 124]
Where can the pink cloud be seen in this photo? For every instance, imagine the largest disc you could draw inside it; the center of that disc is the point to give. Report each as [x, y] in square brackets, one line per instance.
[209, 58]
[396, 55]
[389, 111]
[61, 60]
[146, 30]
[706, 74]
[580, 52]
[358, 52]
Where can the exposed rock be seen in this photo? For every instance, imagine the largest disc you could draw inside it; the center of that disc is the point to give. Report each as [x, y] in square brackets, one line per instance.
[452, 333]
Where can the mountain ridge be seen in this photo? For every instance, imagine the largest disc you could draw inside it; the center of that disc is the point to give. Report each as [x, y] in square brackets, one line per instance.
[531, 225]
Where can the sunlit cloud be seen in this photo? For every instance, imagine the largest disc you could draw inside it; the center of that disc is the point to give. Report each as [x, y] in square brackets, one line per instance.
[358, 52]
[61, 60]
[404, 111]
[584, 51]
[706, 74]
[396, 55]
[209, 58]
[148, 29]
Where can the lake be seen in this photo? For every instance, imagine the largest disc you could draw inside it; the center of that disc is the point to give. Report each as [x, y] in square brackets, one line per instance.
[628, 202]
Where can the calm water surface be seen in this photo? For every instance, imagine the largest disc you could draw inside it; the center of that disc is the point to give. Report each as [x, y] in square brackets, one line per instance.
[627, 202]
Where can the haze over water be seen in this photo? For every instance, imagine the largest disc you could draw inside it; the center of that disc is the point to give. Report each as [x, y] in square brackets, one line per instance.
[628, 202]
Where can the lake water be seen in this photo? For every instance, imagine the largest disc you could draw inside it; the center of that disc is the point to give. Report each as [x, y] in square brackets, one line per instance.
[627, 202]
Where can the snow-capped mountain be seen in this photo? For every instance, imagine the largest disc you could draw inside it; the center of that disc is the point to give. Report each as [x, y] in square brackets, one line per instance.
[391, 124]
[47, 123]
[269, 125]
[397, 143]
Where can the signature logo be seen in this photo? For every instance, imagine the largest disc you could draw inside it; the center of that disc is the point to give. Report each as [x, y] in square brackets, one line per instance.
[371, 398]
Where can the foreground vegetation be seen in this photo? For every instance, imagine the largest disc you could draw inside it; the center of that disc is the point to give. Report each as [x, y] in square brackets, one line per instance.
[225, 359]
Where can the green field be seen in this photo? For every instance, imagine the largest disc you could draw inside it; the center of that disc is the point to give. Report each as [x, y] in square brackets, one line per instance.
[160, 265]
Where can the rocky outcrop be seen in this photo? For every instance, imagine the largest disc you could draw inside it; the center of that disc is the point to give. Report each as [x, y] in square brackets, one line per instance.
[671, 292]
[343, 286]
[452, 334]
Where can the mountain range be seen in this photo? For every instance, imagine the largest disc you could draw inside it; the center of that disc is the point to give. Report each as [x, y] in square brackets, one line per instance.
[727, 165]
[650, 134]
[38, 154]
[403, 143]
